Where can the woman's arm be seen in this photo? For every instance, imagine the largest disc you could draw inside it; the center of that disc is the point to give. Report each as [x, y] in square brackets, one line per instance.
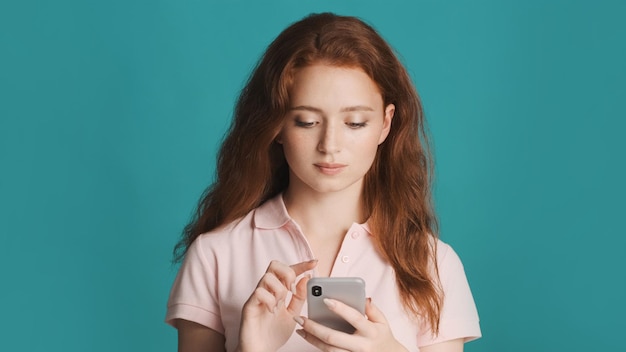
[193, 337]
[448, 346]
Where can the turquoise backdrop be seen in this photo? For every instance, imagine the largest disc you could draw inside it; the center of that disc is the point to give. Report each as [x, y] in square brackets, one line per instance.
[111, 112]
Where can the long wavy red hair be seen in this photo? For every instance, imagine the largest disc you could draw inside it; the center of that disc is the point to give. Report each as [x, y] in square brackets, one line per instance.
[251, 167]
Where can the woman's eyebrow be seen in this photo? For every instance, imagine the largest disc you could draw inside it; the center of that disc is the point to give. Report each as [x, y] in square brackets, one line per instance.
[319, 111]
[306, 108]
[356, 108]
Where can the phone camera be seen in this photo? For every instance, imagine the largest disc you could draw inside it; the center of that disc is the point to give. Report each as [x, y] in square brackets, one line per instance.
[316, 290]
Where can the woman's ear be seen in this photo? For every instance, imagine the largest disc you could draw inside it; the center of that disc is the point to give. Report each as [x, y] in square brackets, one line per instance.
[278, 139]
[390, 110]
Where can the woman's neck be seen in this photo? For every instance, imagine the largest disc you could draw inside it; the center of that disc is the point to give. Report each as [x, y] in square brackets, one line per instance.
[325, 215]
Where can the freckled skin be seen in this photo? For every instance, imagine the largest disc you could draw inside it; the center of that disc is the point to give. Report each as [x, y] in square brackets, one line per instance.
[333, 128]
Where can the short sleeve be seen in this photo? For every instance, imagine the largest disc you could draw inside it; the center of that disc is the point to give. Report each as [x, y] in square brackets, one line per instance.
[459, 317]
[194, 294]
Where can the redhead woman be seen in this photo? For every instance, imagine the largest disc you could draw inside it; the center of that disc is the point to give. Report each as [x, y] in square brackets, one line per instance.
[325, 172]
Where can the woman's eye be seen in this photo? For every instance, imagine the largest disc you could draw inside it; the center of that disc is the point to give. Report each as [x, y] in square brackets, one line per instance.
[356, 124]
[305, 123]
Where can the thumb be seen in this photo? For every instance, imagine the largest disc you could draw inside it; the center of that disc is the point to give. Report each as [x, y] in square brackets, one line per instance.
[299, 297]
[373, 313]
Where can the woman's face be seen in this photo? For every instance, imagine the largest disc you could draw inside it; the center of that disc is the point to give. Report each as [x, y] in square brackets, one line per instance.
[335, 122]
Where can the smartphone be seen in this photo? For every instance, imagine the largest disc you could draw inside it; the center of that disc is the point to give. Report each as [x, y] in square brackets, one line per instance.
[349, 290]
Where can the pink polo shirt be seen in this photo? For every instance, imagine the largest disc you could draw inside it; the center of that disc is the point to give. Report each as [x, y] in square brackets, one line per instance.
[222, 268]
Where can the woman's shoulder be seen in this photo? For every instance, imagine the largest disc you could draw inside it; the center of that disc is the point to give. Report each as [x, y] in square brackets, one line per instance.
[448, 261]
[442, 249]
[228, 232]
[270, 214]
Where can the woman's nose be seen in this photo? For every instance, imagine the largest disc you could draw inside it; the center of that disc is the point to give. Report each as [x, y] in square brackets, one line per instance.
[330, 140]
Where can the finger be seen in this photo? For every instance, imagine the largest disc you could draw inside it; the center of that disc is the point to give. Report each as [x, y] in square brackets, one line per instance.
[303, 267]
[326, 335]
[287, 273]
[284, 276]
[262, 297]
[299, 297]
[373, 313]
[273, 284]
[270, 282]
[317, 342]
[349, 314]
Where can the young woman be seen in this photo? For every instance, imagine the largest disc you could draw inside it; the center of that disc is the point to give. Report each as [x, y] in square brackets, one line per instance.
[324, 172]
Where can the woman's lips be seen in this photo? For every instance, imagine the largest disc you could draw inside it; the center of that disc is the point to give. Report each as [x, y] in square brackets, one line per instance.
[330, 169]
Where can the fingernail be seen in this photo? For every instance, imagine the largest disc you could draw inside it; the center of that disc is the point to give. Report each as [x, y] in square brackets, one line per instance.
[312, 261]
[369, 299]
[299, 320]
[301, 333]
[329, 303]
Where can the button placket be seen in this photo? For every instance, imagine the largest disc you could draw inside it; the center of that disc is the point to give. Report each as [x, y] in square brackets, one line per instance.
[349, 252]
[349, 247]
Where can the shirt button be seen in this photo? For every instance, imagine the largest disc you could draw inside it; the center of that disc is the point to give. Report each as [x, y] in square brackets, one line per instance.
[355, 235]
[345, 259]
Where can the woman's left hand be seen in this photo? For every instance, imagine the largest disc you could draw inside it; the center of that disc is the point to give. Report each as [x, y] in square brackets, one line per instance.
[372, 331]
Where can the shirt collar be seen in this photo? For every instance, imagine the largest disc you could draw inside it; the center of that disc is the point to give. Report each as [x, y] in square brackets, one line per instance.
[273, 215]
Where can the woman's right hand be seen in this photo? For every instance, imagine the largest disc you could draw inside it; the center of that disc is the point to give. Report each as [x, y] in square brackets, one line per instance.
[266, 322]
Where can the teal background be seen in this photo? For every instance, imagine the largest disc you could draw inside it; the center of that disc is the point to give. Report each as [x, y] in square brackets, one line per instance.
[111, 113]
